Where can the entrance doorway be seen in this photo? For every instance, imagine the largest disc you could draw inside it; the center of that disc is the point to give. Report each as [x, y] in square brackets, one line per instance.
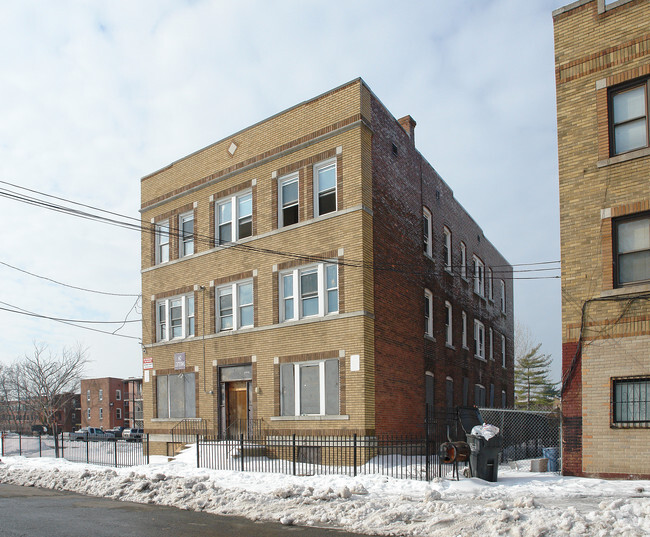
[236, 400]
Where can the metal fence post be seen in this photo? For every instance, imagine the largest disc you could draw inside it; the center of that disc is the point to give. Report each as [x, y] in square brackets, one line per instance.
[427, 465]
[198, 452]
[115, 446]
[241, 449]
[147, 448]
[354, 453]
[20, 444]
[87, 449]
[62, 447]
[3, 444]
[294, 453]
[40, 450]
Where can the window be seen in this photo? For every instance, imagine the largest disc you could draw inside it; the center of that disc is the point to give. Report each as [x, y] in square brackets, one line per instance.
[463, 260]
[479, 340]
[186, 228]
[503, 350]
[88, 414]
[324, 188]
[449, 388]
[176, 395]
[491, 333]
[479, 277]
[88, 395]
[631, 400]
[309, 388]
[446, 249]
[235, 306]
[491, 395]
[162, 242]
[288, 201]
[489, 283]
[464, 329]
[503, 399]
[448, 325]
[175, 317]
[101, 395]
[479, 395]
[427, 231]
[465, 391]
[503, 296]
[118, 395]
[429, 394]
[428, 313]
[629, 118]
[632, 246]
[234, 218]
[101, 413]
[309, 291]
[118, 413]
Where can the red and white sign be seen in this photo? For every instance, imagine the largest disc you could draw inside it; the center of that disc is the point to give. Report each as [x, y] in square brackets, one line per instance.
[147, 363]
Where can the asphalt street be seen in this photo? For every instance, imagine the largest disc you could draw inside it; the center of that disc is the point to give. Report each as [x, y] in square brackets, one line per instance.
[33, 512]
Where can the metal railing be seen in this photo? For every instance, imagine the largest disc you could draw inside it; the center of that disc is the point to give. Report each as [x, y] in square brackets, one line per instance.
[247, 427]
[185, 431]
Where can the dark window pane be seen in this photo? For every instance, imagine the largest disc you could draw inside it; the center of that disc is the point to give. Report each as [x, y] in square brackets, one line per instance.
[326, 203]
[245, 227]
[290, 215]
[225, 233]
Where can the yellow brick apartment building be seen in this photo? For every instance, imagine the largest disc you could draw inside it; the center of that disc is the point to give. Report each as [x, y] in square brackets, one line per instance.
[313, 274]
[602, 67]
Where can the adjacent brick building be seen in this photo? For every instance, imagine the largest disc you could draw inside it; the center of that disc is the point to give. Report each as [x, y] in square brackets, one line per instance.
[111, 402]
[602, 66]
[313, 274]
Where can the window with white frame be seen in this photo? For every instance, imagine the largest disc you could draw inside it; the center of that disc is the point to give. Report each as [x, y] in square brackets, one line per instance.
[101, 395]
[118, 413]
[288, 200]
[491, 334]
[479, 340]
[310, 388]
[186, 229]
[427, 231]
[463, 316]
[309, 291]
[176, 395]
[448, 324]
[234, 219]
[503, 350]
[175, 317]
[101, 413]
[324, 188]
[118, 395]
[479, 395]
[88, 395]
[628, 117]
[162, 241]
[503, 296]
[446, 248]
[463, 260]
[235, 307]
[88, 414]
[631, 401]
[489, 284]
[428, 313]
[479, 276]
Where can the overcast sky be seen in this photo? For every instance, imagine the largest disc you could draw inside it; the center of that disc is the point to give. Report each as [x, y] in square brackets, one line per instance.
[95, 95]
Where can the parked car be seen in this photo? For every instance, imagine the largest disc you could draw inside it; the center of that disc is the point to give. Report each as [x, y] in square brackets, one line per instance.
[88, 433]
[115, 432]
[133, 435]
[39, 429]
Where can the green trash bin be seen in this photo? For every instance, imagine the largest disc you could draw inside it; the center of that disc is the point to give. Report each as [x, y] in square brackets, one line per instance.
[484, 459]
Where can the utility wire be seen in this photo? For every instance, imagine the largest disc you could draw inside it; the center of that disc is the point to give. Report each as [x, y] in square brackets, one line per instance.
[67, 320]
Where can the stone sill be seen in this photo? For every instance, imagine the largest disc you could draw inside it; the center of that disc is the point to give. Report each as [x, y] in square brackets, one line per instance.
[627, 290]
[310, 418]
[624, 157]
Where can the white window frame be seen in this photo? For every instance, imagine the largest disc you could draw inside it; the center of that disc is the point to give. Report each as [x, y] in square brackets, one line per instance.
[88, 414]
[448, 324]
[489, 284]
[233, 289]
[236, 220]
[503, 297]
[88, 395]
[503, 351]
[163, 318]
[463, 260]
[317, 169]
[463, 316]
[427, 232]
[428, 321]
[327, 304]
[293, 178]
[101, 413]
[101, 394]
[118, 395]
[162, 241]
[479, 276]
[118, 413]
[185, 244]
[447, 238]
[297, 411]
[491, 334]
[479, 340]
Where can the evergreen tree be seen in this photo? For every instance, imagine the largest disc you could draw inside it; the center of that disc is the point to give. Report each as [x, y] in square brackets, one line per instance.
[533, 386]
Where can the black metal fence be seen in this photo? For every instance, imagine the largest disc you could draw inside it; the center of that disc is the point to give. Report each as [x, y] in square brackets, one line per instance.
[114, 452]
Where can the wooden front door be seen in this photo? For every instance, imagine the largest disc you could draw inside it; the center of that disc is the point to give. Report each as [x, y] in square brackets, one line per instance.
[237, 407]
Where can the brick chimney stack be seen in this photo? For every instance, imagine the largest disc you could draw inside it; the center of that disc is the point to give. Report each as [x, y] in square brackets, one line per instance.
[408, 124]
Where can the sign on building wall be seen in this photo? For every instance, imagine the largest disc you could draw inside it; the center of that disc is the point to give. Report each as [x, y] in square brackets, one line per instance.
[147, 363]
[179, 360]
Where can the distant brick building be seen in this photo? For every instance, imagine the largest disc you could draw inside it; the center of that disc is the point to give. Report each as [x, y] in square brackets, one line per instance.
[110, 402]
[602, 70]
[313, 274]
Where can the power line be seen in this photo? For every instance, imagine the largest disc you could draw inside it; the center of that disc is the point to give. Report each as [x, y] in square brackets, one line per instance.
[64, 319]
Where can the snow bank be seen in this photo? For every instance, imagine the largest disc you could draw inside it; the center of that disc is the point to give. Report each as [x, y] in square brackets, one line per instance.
[519, 504]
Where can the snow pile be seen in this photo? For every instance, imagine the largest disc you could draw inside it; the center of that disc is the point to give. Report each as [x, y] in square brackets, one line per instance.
[519, 504]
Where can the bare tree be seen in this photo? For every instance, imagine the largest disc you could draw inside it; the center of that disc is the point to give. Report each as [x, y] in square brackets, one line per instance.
[13, 413]
[48, 381]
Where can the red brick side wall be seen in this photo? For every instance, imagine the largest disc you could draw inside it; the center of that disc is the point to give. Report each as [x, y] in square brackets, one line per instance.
[572, 413]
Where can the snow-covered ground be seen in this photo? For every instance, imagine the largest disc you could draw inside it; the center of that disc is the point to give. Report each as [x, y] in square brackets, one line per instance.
[520, 504]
